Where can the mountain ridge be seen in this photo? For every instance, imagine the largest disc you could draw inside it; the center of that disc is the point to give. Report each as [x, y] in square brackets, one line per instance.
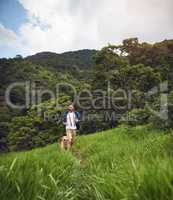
[82, 59]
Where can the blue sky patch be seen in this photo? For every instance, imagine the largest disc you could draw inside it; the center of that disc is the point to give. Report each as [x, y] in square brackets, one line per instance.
[12, 14]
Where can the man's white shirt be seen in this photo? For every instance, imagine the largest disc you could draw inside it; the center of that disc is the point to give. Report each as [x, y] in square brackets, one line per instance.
[71, 120]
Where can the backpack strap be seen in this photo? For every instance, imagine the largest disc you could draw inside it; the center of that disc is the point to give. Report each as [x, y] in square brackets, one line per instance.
[77, 114]
[65, 117]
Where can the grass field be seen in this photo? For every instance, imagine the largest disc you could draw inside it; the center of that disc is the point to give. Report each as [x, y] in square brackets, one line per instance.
[123, 163]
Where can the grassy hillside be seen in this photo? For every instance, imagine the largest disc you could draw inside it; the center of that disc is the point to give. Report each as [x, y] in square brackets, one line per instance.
[123, 163]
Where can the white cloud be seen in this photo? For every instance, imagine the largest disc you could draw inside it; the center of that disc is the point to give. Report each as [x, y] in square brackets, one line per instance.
[58, 26]
[151, 20]
[63, 25]
[7, 36]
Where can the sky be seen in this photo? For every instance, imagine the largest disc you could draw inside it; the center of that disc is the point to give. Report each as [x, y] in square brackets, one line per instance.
[31, 26]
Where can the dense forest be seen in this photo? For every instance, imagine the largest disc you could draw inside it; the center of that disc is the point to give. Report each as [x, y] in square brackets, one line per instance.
[133, 67]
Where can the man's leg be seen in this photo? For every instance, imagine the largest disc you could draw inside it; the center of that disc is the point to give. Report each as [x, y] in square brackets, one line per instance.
[69, 134]
[73, 136]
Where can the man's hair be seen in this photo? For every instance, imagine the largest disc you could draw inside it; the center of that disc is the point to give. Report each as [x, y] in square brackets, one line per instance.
[71, 105]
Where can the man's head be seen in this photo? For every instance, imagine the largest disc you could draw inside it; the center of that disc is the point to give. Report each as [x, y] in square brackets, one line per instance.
[71, 108]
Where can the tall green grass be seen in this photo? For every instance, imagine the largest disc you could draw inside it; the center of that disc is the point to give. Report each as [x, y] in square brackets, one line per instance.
[123, 163]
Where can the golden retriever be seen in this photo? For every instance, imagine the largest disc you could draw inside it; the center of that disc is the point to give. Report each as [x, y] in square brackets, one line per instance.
[65, 143]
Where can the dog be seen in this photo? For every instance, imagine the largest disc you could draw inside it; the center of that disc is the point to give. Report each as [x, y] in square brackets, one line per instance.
[65, 143]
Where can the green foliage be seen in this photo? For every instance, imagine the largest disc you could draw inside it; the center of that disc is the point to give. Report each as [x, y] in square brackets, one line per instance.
[92, 126]
[76, 63]
[158, 55]
[4, 129]
[131, 66]
[170, 109]
[137, 117]
[136, 68]
[44, 77]
[106, 61]
[159, 123]
[38, 129]
[137, 77]
[164, 123]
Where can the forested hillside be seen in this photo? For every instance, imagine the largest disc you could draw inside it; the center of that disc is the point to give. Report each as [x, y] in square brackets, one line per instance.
[78, 63]
[134, 67]
[81, 59]
[45, 70]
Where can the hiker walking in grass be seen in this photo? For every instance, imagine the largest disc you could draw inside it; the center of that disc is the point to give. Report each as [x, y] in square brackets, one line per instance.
[71, 121]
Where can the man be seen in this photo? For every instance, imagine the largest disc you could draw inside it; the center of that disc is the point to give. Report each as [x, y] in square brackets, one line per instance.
[71, 121]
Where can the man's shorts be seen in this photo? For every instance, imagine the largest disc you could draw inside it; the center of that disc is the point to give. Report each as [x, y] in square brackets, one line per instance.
[71, 133]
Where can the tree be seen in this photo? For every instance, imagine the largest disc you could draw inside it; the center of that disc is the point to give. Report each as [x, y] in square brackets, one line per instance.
[106, 61]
